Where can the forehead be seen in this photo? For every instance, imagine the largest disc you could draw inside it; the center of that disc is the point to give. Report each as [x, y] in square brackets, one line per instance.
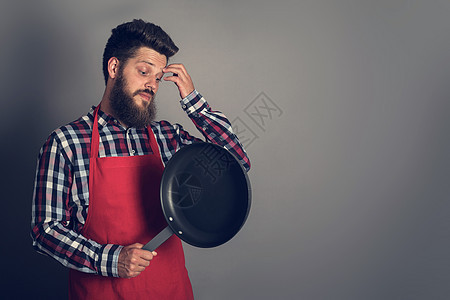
[149, 56]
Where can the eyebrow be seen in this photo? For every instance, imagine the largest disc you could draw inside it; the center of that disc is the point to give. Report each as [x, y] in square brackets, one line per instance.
[149, 63]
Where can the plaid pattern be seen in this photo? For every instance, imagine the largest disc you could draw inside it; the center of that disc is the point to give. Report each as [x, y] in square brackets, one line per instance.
[61, 192]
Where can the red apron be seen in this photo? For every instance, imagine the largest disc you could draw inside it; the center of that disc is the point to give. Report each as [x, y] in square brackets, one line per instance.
[124, 208]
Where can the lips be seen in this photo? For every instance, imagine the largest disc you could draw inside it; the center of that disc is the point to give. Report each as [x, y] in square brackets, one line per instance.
[145, 96]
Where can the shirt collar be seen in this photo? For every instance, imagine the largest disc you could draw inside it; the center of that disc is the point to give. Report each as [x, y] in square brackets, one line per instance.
[103, 118]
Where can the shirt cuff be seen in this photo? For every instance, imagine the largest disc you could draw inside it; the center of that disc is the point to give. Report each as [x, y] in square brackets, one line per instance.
[108, 260]
[193, 103]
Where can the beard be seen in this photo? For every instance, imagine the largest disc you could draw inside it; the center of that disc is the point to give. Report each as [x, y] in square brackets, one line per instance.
[127, 110]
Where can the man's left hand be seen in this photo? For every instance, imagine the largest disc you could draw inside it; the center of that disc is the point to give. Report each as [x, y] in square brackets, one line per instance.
[181, 78]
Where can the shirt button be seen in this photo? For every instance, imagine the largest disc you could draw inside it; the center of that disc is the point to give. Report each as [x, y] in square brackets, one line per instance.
[184, 106]
[132, 151]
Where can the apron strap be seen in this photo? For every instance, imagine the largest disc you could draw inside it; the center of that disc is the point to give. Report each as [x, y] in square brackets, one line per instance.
[95, 138]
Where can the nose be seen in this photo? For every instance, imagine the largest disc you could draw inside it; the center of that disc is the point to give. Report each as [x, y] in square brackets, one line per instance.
[152, 84]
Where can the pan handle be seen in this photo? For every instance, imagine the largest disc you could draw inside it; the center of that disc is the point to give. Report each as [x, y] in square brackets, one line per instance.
[160, 238]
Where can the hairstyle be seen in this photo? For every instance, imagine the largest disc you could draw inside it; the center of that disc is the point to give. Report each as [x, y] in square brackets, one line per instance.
[128, 37]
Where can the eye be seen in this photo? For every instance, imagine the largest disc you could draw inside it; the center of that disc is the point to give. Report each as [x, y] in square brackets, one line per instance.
[142, 71]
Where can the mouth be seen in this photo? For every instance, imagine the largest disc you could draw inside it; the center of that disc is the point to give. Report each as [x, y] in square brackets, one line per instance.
[147, 97]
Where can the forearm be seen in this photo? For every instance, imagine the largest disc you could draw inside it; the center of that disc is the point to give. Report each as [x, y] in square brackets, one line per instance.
[214, 126]
[55, 229]
[75, 251]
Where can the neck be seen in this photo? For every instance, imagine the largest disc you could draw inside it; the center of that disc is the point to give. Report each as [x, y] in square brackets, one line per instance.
[106, 103]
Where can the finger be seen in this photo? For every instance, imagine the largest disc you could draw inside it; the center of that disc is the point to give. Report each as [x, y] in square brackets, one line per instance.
[179, 75]
[132, 274]
[145, 254]
[174, 76]
[167, 75]
[174, 79]
[141, 263]
[176, 68]
[136, 268]
[144, 261]
[137, 257]
[128, 271]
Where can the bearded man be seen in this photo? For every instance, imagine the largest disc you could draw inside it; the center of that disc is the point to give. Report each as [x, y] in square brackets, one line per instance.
[96, 194]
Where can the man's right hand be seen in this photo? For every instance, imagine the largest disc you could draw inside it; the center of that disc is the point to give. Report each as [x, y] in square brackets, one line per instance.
[133, 260]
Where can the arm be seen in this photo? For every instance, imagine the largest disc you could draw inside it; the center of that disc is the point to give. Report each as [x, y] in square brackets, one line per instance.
[213, 125]
[54, 228]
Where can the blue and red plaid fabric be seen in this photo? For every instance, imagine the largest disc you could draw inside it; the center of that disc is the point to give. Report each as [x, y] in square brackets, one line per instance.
[61, 192]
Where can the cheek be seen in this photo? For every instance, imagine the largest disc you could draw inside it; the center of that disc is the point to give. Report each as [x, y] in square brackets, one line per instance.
[130, 87]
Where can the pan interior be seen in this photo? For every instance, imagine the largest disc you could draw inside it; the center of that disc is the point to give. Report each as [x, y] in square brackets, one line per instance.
[205, 195]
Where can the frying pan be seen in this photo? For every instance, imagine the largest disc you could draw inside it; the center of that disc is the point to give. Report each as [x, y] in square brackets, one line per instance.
[205, 196]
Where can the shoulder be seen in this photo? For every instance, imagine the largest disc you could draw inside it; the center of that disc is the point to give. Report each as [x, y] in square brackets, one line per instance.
[75, 131]
[71, 138]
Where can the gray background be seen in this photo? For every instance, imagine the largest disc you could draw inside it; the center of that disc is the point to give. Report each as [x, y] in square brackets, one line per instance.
[350, 173]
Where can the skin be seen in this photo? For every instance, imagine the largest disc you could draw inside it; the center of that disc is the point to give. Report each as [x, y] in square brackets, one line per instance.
[142, 72]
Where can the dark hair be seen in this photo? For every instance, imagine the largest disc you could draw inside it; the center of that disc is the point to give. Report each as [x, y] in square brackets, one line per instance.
[127, 38]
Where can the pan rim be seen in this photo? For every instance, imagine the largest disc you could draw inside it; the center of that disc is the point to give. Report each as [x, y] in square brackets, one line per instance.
[173, 224]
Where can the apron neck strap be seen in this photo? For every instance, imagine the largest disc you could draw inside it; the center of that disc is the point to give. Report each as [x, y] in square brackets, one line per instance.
[95, 136]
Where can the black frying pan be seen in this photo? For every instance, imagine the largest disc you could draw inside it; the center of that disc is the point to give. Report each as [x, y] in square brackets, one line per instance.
[205, 196]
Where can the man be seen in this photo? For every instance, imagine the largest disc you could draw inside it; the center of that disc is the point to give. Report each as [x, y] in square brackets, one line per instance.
[96, 197]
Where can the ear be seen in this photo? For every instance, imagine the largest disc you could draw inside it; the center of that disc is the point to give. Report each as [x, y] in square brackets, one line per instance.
[113, 67]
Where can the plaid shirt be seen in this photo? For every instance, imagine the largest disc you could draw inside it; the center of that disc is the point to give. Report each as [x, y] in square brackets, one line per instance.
[61, 192]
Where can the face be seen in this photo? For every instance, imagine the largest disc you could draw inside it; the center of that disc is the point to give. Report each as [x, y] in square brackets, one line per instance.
[135, 86]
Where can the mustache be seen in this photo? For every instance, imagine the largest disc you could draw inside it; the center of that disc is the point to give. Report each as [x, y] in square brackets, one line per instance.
[144, 91]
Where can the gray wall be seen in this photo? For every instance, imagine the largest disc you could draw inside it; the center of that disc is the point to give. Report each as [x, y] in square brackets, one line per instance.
[342, 104]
